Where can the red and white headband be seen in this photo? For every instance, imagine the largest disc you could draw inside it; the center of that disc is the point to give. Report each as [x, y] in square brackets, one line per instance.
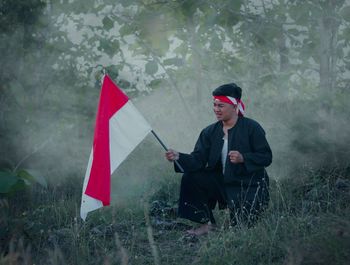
[232, 101]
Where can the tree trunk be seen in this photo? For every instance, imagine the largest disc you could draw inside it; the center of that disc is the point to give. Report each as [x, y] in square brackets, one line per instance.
[195, 48]
[328, 25]
[283, 52]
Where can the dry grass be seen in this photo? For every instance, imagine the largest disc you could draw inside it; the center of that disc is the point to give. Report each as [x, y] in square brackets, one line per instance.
[306, 223]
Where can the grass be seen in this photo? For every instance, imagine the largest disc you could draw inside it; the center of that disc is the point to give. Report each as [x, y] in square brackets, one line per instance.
[307, 222]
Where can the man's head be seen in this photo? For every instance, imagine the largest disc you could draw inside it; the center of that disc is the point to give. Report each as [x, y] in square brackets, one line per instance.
[231, 90]
[229, 94]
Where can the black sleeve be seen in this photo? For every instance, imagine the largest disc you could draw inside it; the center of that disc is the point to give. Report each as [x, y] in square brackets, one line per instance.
[261, 154]
[198, 158]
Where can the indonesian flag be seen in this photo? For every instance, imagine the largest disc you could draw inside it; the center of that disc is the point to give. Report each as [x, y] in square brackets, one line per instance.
[119, 129]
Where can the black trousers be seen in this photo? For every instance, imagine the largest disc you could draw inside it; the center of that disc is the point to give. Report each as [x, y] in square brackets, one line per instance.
[201, 191]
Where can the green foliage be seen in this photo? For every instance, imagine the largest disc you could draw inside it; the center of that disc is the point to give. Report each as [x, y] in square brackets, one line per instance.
[11, 182]
[107, 23]
[110, 47]
[345, 13]
[231, 15]
[151, 68]
[79, 7]
[127, 29]
[216, 43]
[21, 12]
[173, 61]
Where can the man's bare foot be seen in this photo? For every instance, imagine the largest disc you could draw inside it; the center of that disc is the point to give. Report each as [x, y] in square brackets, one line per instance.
[202, 230]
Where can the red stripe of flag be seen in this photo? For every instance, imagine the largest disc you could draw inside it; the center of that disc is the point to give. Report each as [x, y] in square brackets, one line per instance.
[111, 100]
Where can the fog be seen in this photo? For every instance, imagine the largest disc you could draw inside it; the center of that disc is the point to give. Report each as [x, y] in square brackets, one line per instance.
[50, 93]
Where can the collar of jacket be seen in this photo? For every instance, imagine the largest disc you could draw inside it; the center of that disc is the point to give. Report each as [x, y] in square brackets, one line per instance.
[217, 141]
[239, 120]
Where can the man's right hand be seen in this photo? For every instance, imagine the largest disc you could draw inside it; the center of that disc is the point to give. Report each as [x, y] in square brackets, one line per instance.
[172, 155]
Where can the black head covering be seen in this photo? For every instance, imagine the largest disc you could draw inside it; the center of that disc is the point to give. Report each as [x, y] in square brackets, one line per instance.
[231, 90]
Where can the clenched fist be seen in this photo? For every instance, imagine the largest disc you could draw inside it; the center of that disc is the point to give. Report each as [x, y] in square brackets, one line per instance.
[235, 157]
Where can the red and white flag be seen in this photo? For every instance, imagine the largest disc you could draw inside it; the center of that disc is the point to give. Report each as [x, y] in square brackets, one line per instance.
[119, 129]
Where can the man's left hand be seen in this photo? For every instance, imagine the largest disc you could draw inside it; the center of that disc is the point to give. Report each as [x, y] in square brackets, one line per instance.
[235, 157]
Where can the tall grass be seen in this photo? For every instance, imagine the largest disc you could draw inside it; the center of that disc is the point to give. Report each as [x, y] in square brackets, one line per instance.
[307, 222]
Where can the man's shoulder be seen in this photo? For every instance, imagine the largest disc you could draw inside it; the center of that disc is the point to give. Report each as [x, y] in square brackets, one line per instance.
[211, 129]
[251, 124]
[213, 126]
[249, 121]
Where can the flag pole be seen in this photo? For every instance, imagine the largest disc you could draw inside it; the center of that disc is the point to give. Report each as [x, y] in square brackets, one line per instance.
[166, 149]
[104, 73]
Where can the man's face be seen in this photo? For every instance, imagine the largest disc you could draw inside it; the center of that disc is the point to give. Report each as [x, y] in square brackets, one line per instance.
[224, 111]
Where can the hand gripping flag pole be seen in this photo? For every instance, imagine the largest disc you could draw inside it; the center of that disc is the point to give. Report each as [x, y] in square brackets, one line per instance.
[166, 149]
[119, 128]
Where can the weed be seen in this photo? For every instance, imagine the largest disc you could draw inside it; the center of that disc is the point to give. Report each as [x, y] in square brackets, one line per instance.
[305, 223]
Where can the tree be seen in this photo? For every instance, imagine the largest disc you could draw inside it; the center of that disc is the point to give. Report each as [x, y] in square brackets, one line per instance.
[285, 50]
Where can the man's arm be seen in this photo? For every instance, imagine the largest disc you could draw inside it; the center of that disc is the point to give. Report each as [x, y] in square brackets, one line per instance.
[194, 161]
[261, 154]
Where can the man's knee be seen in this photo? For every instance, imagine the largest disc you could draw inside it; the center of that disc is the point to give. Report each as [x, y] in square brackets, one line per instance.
[193, 178]
[187, 179]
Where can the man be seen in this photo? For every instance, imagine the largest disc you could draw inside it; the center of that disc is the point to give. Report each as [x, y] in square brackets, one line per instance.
[226, 166]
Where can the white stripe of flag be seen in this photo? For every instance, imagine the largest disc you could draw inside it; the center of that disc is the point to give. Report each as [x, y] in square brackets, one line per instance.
[119, 129]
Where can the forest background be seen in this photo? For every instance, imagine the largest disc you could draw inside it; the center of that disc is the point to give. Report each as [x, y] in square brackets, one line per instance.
[292, 59]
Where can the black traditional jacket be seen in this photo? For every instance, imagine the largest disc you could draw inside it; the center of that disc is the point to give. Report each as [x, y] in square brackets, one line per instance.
[247, 137]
